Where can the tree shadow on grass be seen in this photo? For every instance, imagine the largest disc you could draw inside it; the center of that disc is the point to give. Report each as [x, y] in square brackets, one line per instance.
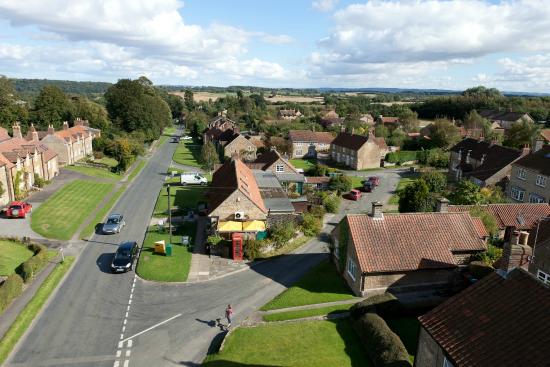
[353, 347]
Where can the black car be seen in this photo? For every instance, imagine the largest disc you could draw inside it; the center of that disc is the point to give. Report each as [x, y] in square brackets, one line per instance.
[124, 257]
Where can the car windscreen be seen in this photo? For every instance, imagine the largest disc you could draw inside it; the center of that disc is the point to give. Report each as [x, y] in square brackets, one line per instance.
[16, 207]
[124, 254]
[113, 220]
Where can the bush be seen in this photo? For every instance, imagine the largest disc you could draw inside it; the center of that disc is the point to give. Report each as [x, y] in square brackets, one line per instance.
[9, 290]
[282, 232]
[479, 269]
[318, 211]
[340, 183]
[401, 156]
[382, 345]
[38, 181]
[331, 203]
[32, 266]
[253, 249]
[311, 225]
[385, 304]
[213, 240]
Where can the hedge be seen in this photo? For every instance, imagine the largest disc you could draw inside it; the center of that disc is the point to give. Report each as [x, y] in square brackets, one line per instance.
[383, 346]
[32, 266]
[9, 290]
[479, 269]
[401, 156]
[384, 304]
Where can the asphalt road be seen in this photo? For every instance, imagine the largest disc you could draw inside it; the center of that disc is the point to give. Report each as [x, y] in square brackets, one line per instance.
[103, 319]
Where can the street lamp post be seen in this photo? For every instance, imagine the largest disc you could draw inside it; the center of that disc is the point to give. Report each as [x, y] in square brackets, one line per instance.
[169, 214]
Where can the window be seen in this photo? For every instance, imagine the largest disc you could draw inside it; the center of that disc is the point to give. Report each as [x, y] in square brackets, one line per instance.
[447, 363]
[352, 269]
[299, 153]
[541, 181]
[517, 193]
[521, 174]
[279, 168]
[336, 249]
[543, 277]
[534, 198]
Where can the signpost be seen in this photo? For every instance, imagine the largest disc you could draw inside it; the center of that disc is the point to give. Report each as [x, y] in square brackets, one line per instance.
[169, 214]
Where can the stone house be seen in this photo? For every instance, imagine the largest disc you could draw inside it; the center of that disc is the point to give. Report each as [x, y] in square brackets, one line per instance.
[367, 119]
[330, 119]
[404, 252]
[505, 119]
[357, 151]
[509, 217]
[484, 163]
[231, 143]
[217, 126]
[501, 320]
[284, 171]
[539, 240]
[388, 121]
[6, 181]
[530, 178]
[235, 204]
[309, 144]
[288, 114]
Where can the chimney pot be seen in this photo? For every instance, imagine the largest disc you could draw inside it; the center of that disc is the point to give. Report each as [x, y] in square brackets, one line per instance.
[523, 238]
[65, 125]
[442, 205]
[377, 210]
[51, 130]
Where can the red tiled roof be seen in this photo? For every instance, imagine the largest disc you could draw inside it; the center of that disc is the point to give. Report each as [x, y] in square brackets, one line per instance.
[4, 134]
[390, 120]
[495, 322]
[411, 241]
[480, 227]
[317, 180]
[520, 216]
[310, 136]
[5, 161]
[545, 133]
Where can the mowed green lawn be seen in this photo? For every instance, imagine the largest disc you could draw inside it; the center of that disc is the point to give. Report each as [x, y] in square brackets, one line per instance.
[312, 343]
[299, 314]
[60, 216]
[162, 268]
[304, 164]
[187, 154]
[95, 172]
[12, 254]
[180, 196]
[322, 284]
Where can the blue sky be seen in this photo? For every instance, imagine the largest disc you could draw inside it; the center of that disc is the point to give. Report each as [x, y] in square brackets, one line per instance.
[285, 43]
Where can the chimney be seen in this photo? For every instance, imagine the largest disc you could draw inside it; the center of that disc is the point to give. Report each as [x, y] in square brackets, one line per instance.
[17, 130]
[273, 148]
[514, 238]
[51, 130]
[460, 154]
[352, 130]
[65, 125]
[342, 129]
[78, 122]
[442, 205]
[514, 256]
[526, 150]
[34, 133]
[377, 210]
[523, 238]
[493, 142]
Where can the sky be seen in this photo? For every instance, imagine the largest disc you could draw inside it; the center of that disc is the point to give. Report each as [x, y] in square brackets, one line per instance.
[283, 43]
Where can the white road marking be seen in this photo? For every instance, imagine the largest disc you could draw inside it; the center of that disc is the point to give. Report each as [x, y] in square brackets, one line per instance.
[126, 316]
[118, 353]
[129, 301]
[116, 364]
[130, 343]
[154, 326]
[120, 344]
[126, 363]
[128, 308]
[123, 328]
[131, 295]
[125, 321]
[128, 353]
[121, 336]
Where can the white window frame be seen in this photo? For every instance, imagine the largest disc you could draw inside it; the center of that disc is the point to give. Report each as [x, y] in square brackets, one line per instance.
[280, 168]
[543, 277]
[447, 363]
[522, 175]
[534, 198]
[517, 193]
[299, 152]
[351, 269]
[541, 181]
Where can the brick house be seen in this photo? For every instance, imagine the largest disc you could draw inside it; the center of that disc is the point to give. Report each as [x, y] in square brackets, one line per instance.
[357, 151]
[309, 144]
[484, 163]
[505, 119]
[404, 252]
[530, 178]
[288, 114]
[217, 126]
[235, 204]
[230, 143]
[509, 217]
[331, 118]
[389, 121]
[502, 320]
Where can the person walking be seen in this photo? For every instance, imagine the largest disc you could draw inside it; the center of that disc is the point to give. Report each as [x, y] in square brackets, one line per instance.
[229, 315]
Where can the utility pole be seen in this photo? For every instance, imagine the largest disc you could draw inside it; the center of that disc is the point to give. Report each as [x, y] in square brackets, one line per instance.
[169, 214]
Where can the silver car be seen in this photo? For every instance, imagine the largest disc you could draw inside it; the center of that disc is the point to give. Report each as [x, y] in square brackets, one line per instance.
[114, 224]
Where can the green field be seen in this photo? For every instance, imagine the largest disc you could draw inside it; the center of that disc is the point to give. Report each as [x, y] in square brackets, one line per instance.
[95, 172]
[24, 319]
[162, 268]
[90, 228]
[12, 254]
[60, 216]
[322, 284]
[404, 182]
[304, 164]
[310, 343]
[180, 196]
[187, 154]
[299, 314]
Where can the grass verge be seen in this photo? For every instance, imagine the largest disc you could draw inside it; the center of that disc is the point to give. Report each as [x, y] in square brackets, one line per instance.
[181, 197]
[187, 154]
[30, 311]
[299, 314]
[95, 172]
[89, 231]
[304, 164]
[12, 255]
[404, 182]
[308, 343]
[320, 285]
[162, 268]
[60, 216]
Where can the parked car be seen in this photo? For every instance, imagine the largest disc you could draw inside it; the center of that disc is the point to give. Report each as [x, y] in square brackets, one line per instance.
[186, 137]
[368, 186]
[193, 179]
[354, 195]
[18, 209]
[113, 224]
[124, 257]
[375, 180]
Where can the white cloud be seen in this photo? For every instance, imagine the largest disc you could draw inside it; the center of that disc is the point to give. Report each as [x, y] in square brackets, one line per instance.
[324, 5]
[280, 39]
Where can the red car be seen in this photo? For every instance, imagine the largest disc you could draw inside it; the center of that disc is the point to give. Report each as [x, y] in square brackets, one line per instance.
[375, 180]
[354, 195]
[18, 209]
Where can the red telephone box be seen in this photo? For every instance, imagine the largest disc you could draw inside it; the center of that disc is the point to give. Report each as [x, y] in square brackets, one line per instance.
[237, 239]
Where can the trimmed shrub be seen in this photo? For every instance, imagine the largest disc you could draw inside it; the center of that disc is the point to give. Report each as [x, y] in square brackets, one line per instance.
[282, 232]
[311, 225]
[385, 304]
[479, 269]
[253, 249]
[382, 345]
[331, 203]
[9, 290]
[318, 211]
[32, 266]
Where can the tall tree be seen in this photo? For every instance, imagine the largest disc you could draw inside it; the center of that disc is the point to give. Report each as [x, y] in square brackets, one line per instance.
[10, 110]
[521, 134]
[52, 106]
[409, 120]
[416, 198]
[444, 133]
[209, 156]
[188, 99]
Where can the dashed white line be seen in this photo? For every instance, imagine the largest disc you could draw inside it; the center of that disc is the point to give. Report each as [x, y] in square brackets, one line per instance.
[126, 363]
[116, 364]
[123, 328]
[125, 321]
[129, 301]
[120, 344]
[121, 336]
[130, 343]
[118, 353]
[126, 316]
[128, 308]
[128, 352]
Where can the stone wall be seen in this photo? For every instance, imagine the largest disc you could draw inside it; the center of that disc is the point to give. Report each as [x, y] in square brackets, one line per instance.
[428, 353]
[237, 202]
[242, 147]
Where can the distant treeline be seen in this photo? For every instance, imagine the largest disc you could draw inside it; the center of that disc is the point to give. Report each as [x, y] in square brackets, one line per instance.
[32, 87]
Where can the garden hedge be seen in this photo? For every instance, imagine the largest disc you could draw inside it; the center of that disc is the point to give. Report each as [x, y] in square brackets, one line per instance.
[32, 266]
[384, 304]
[383, 346]
[10, 289]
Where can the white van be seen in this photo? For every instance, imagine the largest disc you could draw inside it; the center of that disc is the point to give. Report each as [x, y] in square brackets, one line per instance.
[193, 179]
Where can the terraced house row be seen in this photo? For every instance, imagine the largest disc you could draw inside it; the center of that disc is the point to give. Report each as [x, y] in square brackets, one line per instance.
[39, 154]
